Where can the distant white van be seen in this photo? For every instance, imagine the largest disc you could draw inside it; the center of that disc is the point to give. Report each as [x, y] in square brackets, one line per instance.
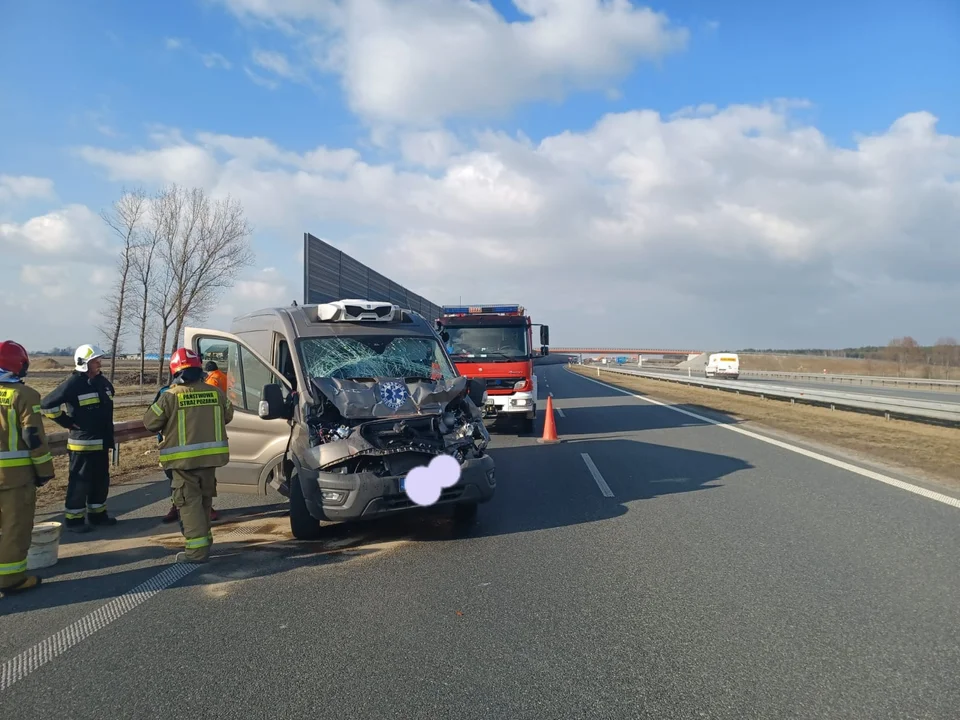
[724, 365]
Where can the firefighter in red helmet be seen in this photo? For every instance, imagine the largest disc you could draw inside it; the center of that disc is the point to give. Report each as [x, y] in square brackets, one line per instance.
[25, 465]
[192, 417]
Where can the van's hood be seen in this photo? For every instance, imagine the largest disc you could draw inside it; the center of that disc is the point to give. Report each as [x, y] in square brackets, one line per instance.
[389, 397]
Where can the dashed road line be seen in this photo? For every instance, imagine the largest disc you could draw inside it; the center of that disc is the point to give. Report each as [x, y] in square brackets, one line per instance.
[560, 412]
[880, 477]
[34, 658]
[598, 478]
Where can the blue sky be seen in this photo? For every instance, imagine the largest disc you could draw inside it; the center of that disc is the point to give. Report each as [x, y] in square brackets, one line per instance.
[104, 73]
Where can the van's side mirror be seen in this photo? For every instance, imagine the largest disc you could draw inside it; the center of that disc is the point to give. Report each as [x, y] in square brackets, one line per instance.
[544, 335]
[477, 390]
[272, 405]
[544, 350]
[445, 336]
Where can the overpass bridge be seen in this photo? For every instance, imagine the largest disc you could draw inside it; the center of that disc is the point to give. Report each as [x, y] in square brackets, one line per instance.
[633, 352]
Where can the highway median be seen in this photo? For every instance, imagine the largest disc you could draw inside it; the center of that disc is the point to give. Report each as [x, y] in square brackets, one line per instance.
[928, 450]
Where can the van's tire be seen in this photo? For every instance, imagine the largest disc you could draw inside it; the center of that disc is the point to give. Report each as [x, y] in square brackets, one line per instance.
[526, 426]
[303, 525]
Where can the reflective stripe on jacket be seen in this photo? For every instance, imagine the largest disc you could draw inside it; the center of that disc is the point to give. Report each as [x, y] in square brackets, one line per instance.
[21, 426]
[87, 403]
[192, 418]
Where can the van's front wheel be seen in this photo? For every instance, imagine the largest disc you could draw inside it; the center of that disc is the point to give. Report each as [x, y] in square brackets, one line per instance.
[303, 525]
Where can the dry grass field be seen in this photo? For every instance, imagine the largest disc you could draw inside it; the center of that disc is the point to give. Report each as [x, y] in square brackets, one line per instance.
[843, 366]
[930, 449]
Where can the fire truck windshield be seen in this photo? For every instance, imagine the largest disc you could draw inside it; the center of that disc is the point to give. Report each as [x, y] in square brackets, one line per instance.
[489, 343]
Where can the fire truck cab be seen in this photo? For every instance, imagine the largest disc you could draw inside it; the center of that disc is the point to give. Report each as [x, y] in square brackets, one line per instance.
[495, 343]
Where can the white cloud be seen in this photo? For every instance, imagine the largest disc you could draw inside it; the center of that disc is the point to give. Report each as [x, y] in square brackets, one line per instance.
[430, 148]
[734, 226]
[72, 231]
[264, 288]
[23, 187]
[417, 61]
[275, 62]
[209, 59]
[215, 59]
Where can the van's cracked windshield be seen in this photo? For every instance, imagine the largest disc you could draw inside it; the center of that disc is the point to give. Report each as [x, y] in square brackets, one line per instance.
[365, 357]
[480, 359]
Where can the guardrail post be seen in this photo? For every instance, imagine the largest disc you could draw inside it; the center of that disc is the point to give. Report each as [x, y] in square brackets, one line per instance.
[116, 453]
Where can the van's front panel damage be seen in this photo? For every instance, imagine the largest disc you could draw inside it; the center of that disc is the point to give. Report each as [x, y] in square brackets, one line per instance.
[366, 435]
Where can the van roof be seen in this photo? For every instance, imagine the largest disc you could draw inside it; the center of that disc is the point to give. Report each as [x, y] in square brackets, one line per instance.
[297, 322]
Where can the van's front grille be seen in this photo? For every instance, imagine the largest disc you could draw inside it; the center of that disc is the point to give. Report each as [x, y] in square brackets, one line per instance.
[401, 500]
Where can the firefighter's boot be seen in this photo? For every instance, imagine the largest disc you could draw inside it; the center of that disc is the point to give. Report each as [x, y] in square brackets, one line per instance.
[28, 583]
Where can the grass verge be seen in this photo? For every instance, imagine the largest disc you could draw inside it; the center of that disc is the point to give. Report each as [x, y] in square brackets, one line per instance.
[932, 450]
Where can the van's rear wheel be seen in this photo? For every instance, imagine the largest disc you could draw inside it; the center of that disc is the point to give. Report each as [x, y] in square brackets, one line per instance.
[303, 525]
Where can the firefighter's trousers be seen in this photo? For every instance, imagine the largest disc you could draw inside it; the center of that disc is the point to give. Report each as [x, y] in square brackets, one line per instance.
[193, 494]
[88, 485]
[17, 507]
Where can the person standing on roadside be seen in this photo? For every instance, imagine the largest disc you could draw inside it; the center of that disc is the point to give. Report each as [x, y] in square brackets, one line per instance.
[25, 465]
[192, 417]
[173, 514]
[83, 404]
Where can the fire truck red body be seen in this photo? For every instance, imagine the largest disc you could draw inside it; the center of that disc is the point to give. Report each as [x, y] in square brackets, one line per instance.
[495, 343]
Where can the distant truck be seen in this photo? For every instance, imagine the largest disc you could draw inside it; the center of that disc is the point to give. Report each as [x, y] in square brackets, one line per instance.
[494, 343]
[723, 365]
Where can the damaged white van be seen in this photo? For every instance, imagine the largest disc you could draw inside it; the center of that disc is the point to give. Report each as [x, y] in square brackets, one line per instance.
[336, 403]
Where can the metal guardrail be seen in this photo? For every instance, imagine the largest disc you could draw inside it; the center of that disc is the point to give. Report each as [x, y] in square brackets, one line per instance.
[839, 378]
[123, 432]
[880, 380]
[903, 408]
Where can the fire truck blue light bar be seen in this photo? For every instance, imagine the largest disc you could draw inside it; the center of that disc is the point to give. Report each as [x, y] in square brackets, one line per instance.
[478, 309]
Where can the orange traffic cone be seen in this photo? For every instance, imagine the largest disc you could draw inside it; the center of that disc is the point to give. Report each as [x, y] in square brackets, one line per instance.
[549, 426]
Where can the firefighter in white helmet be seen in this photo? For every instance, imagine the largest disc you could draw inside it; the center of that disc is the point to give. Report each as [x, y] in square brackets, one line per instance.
[83, 404]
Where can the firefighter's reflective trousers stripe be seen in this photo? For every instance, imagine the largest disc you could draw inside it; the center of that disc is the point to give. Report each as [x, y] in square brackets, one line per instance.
[17, 507]
[193, 493]
[88, 484]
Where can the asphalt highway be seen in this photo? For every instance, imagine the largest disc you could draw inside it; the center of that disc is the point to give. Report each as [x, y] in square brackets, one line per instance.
[650, 566]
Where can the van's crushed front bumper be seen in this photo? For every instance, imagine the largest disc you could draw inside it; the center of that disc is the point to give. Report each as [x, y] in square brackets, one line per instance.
[360, 473]
[348, 496]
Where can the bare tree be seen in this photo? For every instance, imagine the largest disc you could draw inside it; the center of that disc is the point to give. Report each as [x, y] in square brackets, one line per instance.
[125, 220]
[945, 354]
[904, 351]
[203, 247]
[145, 266]
[211, 257]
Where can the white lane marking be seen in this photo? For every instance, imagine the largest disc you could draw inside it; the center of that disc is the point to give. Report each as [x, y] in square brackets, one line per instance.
[923, 492]
[46, 650]
[601, 483]
[560, 412]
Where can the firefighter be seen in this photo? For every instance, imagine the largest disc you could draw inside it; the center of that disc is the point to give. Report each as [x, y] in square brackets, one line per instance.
[25, 465]
[192, 417]
[173, 514]
[83, 403]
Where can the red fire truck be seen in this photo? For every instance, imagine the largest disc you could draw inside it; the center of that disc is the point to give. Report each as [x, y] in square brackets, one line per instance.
[495, 343]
